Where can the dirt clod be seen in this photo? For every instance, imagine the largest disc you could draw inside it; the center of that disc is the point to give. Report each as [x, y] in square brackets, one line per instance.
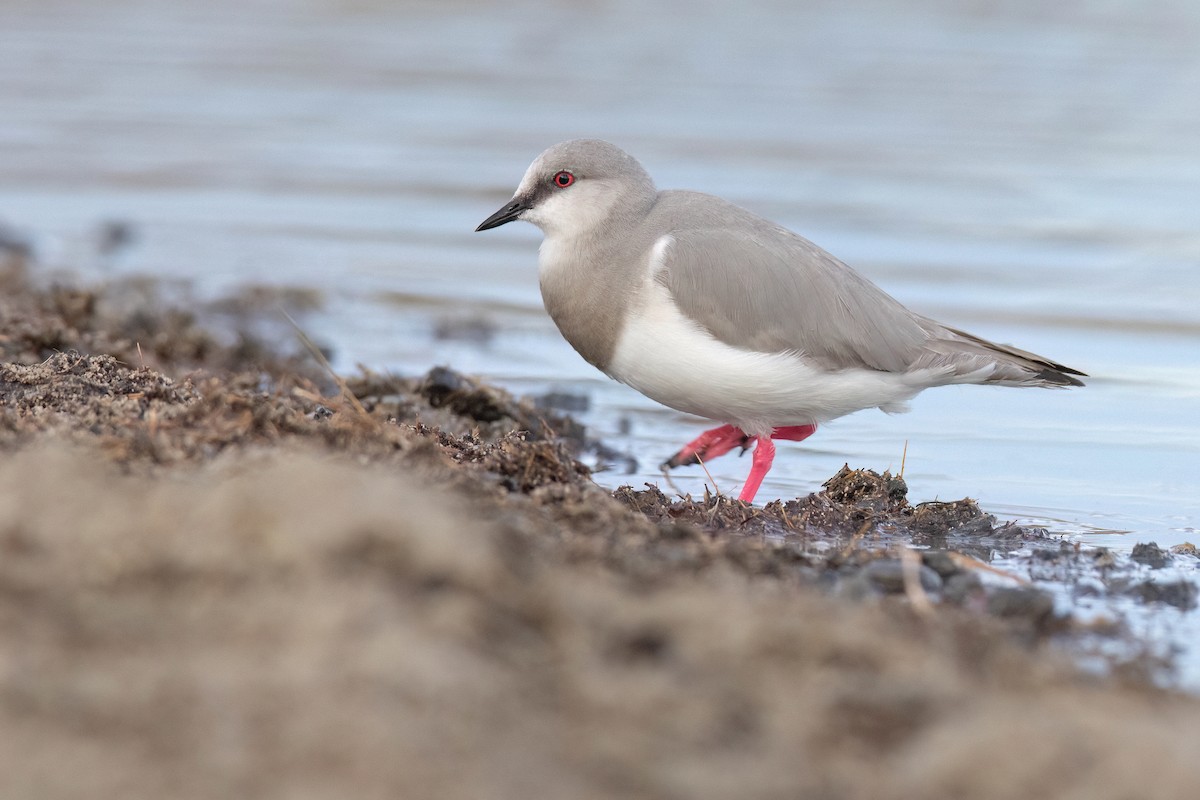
[1180, 594]
[1150, 554]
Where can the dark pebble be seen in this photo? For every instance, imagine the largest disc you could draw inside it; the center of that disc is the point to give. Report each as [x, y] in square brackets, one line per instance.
[1181, 594]
[476, 330]
[962, 588]
[1046, 554]
[940, 562]
[443, 380]
[1150, 554]
[887, 574]
[445, 387]
[563, 401]
[1022, 603]
[115, 235]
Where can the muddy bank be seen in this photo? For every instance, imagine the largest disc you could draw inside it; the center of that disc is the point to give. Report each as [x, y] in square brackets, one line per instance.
[222, 576]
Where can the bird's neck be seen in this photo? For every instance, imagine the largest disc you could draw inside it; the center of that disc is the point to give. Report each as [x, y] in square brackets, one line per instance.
[584, 282]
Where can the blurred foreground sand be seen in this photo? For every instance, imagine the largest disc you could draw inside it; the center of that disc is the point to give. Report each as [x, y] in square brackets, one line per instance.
[212, 589]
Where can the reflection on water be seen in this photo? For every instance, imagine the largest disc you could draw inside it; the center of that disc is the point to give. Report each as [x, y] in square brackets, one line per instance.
[1027, 171]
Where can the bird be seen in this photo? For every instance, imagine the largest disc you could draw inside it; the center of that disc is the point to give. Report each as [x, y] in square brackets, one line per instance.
[712, 310]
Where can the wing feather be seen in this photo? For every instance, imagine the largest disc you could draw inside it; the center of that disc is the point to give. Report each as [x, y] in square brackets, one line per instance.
[758, 286]
[779, 292]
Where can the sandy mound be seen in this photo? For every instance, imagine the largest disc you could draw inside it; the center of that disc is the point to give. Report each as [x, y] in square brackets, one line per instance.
[220, 579]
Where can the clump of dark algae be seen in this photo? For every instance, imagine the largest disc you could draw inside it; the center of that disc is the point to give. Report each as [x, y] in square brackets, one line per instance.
[222, 575]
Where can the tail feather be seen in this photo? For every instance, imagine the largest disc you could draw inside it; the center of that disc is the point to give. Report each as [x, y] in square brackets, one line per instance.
[1010, 366]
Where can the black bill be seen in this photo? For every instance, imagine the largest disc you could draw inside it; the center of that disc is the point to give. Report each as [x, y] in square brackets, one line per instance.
[507, 214]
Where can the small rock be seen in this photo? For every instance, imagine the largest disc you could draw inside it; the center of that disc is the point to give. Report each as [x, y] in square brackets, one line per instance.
[115, 235]
[941, 563]
[445, 387]
[962, 588]
[475, 330]
[1022, 603]
[442, 381]
[1149, 554]
[571, 402]
[1185, 549]
[1180, 594]
[854, 587]
[1046, 554]
[887, 574]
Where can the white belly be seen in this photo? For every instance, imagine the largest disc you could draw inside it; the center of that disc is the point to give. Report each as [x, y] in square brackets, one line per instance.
[674, 361]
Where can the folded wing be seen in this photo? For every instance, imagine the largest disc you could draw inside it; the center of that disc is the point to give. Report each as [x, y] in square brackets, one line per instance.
[764, 288]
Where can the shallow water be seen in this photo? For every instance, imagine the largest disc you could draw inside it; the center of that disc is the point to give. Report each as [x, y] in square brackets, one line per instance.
[1031, 174]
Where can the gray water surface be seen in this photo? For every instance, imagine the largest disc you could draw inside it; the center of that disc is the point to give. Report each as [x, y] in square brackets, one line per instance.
[1025, 171]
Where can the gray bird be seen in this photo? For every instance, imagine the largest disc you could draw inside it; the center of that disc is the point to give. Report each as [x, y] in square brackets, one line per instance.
[714, 311]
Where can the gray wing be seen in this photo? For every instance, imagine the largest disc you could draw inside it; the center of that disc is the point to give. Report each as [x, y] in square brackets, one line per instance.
[762, 287]
[770, 290]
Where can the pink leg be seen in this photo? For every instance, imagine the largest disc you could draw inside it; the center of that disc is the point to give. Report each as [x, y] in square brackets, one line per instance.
[708, 445]
[764, 454]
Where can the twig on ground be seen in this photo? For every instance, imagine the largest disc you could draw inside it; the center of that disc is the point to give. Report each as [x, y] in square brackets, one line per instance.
[910, 566]
[347, 395]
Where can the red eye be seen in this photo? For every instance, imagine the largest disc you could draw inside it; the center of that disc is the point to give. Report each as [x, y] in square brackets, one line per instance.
[563, 179]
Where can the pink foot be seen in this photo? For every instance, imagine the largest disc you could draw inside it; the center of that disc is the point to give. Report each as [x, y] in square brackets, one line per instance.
[707, 446]
[794, 433]
[719, 441]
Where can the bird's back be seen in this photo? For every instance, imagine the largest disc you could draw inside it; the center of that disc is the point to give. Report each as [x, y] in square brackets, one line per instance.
[756, 285]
